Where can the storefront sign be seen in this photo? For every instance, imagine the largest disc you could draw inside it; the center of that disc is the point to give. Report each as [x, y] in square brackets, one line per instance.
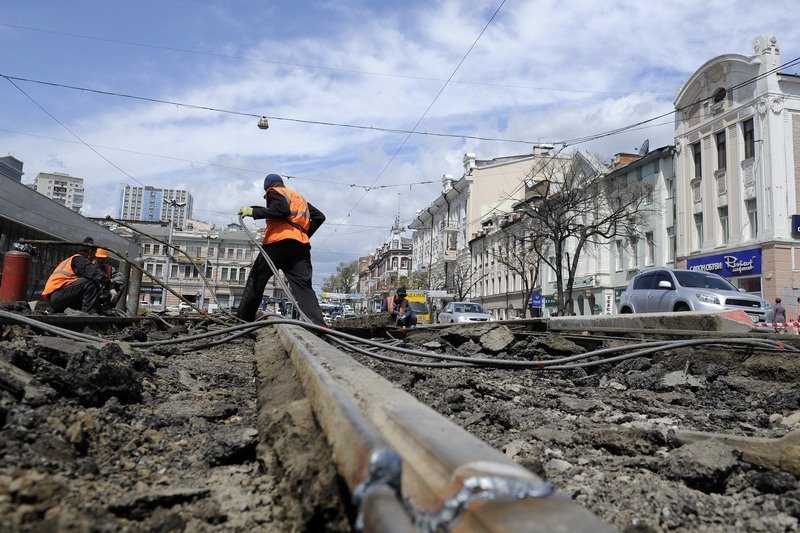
[549, 301]
[608, 301]
[144, 289]
[795, 225]
[729, 265]
[536, 300]
[584, 282]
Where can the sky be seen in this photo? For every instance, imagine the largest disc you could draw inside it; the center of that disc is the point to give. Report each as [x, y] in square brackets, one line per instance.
[542, 71]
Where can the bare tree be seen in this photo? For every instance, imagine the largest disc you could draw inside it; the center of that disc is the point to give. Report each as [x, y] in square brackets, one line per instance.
[522, 246]
[579, 206]
[464, 279]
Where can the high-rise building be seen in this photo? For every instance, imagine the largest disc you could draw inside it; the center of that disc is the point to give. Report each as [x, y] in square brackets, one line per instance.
[63, 188]
[11, 167]
[153, 204]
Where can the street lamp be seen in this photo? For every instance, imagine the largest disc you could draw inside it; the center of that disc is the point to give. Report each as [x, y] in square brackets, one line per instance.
[172, 203]
[205, 268]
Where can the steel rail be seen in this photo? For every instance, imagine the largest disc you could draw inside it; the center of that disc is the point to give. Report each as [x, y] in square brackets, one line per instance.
[451, 480]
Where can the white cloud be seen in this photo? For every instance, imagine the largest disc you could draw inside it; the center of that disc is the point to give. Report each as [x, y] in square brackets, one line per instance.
[588, 55]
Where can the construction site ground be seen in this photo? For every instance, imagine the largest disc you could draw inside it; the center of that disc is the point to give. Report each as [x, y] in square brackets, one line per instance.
[606, 438]
[110, 438]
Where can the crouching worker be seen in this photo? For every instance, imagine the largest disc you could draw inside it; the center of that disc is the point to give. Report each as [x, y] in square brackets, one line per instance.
[113, 292]
[76, 283]
[398, 306]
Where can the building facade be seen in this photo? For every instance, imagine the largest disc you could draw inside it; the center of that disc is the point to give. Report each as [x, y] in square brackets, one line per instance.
[154, 205]
[225, 255]
[390, 262]
[11, 167]
[737, 141]
[63, 188]
[443, 230]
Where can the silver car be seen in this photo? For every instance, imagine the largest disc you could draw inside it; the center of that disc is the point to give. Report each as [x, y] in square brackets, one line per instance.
[663, 289]
[463, 312]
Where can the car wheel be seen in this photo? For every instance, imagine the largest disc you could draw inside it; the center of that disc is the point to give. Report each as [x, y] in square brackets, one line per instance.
[680, 306]
[625, 311]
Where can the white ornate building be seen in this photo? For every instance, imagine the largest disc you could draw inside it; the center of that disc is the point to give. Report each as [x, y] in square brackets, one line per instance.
[737, 137]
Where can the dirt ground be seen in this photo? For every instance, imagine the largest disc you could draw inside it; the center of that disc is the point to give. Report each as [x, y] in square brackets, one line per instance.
[115, 439]
[606, 438]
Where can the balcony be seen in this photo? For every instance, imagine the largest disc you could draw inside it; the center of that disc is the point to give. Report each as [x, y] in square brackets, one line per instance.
[450, 254]
[450, 227]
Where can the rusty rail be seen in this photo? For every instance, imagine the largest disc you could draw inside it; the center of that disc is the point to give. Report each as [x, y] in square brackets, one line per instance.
[450, 479]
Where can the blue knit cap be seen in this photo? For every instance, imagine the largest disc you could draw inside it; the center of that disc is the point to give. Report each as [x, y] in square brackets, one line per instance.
[271, 180]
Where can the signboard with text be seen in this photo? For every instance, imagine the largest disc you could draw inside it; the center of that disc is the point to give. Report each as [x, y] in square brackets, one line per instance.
[796, 225]
[536, 300]
[729, 264]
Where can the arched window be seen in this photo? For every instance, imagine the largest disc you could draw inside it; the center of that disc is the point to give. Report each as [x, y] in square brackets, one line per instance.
[719, 96]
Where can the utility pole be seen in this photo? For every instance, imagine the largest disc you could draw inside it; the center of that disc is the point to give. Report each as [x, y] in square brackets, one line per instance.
[205, 270]
[169, 266]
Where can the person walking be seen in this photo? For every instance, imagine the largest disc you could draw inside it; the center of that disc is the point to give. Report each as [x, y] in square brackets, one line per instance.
[291, 221]
[780, 314]
[76, 282]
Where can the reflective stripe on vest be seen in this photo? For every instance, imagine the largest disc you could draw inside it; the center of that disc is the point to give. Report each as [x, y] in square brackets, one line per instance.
[296, 226]
[62, 276]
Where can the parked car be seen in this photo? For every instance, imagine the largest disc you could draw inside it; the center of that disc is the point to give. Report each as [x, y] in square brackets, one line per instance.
[661, 290]
[463, 312]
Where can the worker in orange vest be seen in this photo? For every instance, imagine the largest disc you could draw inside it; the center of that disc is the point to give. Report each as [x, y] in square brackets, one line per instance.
[76, 282]
[291, 221]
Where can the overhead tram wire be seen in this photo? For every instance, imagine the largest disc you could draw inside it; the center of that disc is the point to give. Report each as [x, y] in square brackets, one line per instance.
[316, 67]
[270, 117]
[218, 165]
[29, 97]
[408, 136]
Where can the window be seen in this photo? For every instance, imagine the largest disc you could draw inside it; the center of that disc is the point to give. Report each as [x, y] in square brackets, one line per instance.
[751, 206]
[721, 152]
[724, 234]
[173, 271]
[698, 230]
[618, 259]
[159, 270]
[148, 249]
[719, 96]
[698, 162]
[650, 249]
[634, 259]
[224, 273]
[209, 271]
[644, 282]
[187, 271]
[648, 191]
[656, 166]
[748, 133]
[242, 273]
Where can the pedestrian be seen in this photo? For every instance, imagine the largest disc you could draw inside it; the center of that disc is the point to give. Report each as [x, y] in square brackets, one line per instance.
[780, 313]
[399, 308]
[291, 221]
[76, 282]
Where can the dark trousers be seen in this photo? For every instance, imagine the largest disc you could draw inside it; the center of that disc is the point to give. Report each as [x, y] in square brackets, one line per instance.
[294, 259]
[82, 295]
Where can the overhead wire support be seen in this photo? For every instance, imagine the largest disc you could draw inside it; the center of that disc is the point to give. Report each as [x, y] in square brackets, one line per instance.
[430, 106]
[270, 117]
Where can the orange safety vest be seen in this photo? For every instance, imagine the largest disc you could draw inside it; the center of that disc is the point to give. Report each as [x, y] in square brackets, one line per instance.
[62, 276]
[296, 226]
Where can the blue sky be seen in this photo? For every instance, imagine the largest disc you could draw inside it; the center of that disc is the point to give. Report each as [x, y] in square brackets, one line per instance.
[543, 70]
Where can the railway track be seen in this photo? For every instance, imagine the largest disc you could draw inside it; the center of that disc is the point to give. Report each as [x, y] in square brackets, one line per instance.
[437, 449]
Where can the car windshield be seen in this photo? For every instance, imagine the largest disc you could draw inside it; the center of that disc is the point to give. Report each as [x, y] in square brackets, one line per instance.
[703, 280]
[419, 308]
[469, 308]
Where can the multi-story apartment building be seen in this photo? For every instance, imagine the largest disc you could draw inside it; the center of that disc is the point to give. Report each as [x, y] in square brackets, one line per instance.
[224, 254]
[63, 188]
[737, 142]
[153, 204]
[443, 229]
[389, 262]
[11, 167]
